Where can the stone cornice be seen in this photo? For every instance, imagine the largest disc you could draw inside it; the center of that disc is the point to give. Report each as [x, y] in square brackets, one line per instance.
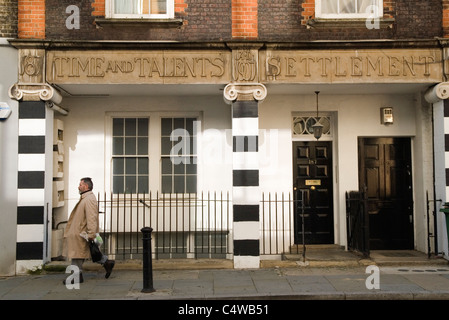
[228, 45]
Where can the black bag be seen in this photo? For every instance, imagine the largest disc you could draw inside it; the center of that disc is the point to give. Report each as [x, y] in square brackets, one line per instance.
[95, 252]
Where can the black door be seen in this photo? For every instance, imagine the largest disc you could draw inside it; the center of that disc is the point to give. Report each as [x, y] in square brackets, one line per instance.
[385, 170]
[312, 175]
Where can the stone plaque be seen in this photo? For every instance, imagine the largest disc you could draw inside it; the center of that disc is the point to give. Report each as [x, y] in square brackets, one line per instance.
[140, 67]
[351, 66]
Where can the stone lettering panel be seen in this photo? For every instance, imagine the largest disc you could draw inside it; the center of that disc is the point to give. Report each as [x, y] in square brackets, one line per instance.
[351, 66]
[223, 67]
[78, 67]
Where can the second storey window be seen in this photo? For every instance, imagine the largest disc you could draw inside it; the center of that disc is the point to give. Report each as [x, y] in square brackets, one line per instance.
[349, 9]
[141, 8]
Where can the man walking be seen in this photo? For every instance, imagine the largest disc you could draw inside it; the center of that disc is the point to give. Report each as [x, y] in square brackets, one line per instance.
[84, 218]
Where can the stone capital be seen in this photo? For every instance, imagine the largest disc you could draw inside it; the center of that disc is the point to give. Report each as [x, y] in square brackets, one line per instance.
[438, 92]
[34, 92]
[244, 92]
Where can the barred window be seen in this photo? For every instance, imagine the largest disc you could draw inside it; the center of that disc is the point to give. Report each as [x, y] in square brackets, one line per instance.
[178, 155]
[130, 158]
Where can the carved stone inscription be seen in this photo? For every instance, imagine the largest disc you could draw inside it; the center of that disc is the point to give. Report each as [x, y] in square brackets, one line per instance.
[31, 65]
[138, 67]
[240, 66]
[361, 66]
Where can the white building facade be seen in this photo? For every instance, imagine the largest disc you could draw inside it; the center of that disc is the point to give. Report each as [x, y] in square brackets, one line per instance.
[238, 117]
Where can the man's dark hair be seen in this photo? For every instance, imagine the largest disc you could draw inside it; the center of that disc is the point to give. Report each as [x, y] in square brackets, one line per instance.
[89, 183]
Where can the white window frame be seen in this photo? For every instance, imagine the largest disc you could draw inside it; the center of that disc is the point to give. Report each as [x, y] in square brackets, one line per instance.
[154, 147]
[169, 15]
[364, 15]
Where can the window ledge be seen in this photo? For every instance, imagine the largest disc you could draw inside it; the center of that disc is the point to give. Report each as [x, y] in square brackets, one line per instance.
[157, 23]
[320, 23]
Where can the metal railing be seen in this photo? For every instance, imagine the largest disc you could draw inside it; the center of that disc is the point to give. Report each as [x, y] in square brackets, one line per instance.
[184, 226]
[190, 226]
[278, 223]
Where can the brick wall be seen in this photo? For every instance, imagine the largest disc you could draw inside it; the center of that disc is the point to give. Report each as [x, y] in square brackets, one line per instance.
[445, 18]
[244, 19]
[224, 20]
[8, 18]
[99, 8]
[287, 21]
[31, 14]
[202, 20]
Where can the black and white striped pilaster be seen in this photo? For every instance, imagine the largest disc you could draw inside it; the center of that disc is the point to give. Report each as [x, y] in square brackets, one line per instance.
[245, 133]
[446, 143]
[31, 185]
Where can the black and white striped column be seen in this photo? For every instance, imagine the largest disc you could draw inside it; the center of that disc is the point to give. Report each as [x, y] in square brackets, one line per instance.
[244, 99]
[31, 185]
[245, 177]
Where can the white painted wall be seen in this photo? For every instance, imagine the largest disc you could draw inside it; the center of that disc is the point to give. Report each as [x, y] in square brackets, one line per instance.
[8, 162]
[86, 144]
[355, 116]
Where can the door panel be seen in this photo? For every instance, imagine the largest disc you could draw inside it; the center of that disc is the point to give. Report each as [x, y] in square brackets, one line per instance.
[312, 172]
[385, 169]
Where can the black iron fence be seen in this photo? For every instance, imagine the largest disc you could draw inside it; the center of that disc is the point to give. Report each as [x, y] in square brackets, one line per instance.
[357, 221]
[189, 226]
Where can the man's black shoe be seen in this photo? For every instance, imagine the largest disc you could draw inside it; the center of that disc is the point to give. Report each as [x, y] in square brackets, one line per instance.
[108, 266]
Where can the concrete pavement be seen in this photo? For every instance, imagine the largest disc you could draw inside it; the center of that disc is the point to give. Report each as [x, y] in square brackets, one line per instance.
[415, 277]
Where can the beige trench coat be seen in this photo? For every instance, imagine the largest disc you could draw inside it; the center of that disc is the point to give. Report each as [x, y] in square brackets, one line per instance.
[84, 217]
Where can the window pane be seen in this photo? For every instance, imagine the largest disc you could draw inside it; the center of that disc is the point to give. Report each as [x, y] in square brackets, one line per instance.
[329, 6]
[191, 166]
[126, 6]
[179, 186]
[191, 184]
[117, 127]
[142, 165]
[118, 184]
[166, 184]
[158, 6]
[130, 166]
[117, 146]
[142, 127]
[130, 146]
[130, 127]
[166, 146]
[143, 184]
[167, 166]
[130, 182]
[180, 168]
[364, 6]
[347, 6]
[178, 123]
[118, 166]
[166, 125]
[190, 125]
[142, 146]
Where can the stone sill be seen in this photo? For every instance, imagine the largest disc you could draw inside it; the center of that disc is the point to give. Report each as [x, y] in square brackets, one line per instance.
[319, 23]
[156, 23]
